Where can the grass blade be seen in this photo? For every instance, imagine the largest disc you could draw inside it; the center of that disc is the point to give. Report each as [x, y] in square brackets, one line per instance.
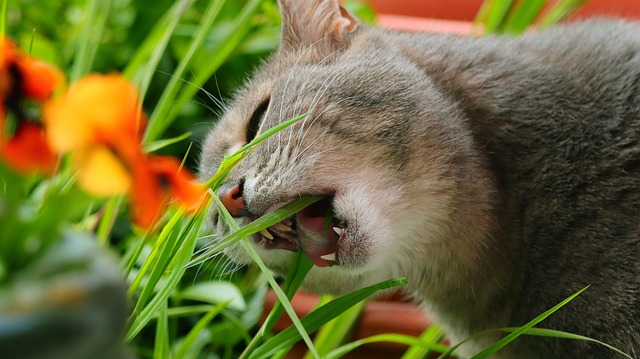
[321, 316]
[157, 145]
[155, 44]
[227, 165]
[161, 345]
[259, 224]
[302, 264]
[240, 28]
[516, 333]
[432, 335]
[497, 16]
[523, 16]
[337, 331]
[159, 121]
[561, 10]
[176, 269]
[393, 338]
[90, 35]
[190, 339]
[542, 332]
[293, 280]
[267, 273]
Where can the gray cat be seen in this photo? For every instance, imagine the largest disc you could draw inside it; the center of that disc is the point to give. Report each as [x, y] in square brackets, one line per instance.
[499, 175]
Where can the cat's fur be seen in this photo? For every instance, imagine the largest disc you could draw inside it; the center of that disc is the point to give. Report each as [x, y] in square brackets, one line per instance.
[499, 175]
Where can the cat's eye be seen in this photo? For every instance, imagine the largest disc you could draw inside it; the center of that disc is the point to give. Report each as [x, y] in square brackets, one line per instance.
[256, 120]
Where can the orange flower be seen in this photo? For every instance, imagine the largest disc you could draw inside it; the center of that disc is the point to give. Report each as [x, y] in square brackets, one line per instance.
[27, 151]
[23, 77]
[100, 122]
[26, 75]
[158, 180]
[98, 108]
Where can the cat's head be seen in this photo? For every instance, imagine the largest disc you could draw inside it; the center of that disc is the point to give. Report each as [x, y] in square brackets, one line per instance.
[378, 141]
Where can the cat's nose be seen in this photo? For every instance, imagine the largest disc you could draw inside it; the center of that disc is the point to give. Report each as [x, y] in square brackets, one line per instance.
[231, 198]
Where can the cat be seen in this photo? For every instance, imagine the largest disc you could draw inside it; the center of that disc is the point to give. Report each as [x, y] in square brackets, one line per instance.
[498, 174]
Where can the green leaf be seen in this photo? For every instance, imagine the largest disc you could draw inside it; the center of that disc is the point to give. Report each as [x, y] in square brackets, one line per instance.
[392, 338]
[160, 144]
[516, 333]
[190, 339]
[216, 292]
[432, 335]
[256, 226]
[337, 331]
[496, 17]
[561, 10]
[241, 26]
[161, 345]
[160, 119]
[91, 32]
[523, 16]
[321, 316]
[188, 238]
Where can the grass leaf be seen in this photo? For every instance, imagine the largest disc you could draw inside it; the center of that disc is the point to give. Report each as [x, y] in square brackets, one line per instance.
[497, 16]
[160, 144]
[432, 335]
[161, 343]
[159, 119]
[524, 14]
[90, 34]
[190, 339]
[337, 331]
[241, 26]
[560, 10]
[259, 224]
[391, 338]
[321, 316]
[516, 333]
[188, 238]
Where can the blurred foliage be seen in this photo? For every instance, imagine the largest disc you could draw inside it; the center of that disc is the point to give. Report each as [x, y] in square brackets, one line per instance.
[51, 29]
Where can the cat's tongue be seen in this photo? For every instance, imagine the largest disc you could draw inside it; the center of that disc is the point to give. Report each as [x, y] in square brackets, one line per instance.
[329, 239]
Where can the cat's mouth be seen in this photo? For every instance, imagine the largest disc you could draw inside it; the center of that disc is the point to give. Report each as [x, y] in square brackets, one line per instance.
[320, 220]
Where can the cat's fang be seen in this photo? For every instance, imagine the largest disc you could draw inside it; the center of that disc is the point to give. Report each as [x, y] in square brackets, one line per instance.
[266, 234]
[329, 257]
[283, 227]
[338, 231]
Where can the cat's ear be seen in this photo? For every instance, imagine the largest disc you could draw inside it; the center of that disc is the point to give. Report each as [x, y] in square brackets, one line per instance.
[323, 25]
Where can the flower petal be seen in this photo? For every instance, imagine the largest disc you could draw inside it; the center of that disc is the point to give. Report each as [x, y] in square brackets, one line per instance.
[39, 79]
[27, 151]
[101, 173]
[147, 197]
[101, 108]
[178, 181]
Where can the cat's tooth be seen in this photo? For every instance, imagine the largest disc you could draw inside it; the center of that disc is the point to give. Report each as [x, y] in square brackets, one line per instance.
[329, 257]
[287, 222]
[338, 231]
[266, 234]
[283, 227]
